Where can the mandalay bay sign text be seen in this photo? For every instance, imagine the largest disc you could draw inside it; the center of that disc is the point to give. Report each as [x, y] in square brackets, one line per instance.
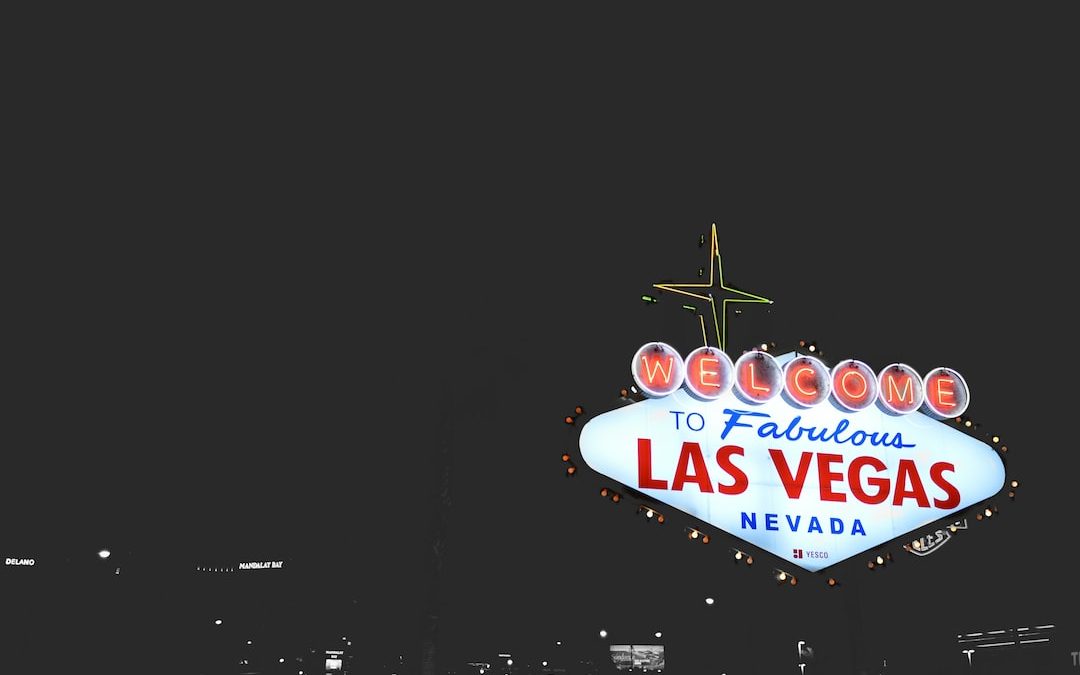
[812, 464]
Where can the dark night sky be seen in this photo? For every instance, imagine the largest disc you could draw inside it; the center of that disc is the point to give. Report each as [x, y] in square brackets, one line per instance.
[240, 332]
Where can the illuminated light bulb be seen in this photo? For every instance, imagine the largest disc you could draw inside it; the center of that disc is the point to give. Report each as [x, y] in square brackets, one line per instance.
[995, 439]
[623, 393]
[880, 560]
[988, 513]
[952, 528]
[832, 582]
[764, 347]
[603, 633]
[749, 560]
[615, 497]
[782, 576]
[709, 601]
[569, 419]
[1012, 494]
[603, 492]
[812, 348]
[738, 555]
[570, 470]
[705, 539]
[1015, 484]
[660, 518]
[578, 410]
[916, 544]
[978, 516]
[648, 513]
[566, 457]
[870, 564]
[1004, 448]
[693, 534]
[967, 424]
[794, 581]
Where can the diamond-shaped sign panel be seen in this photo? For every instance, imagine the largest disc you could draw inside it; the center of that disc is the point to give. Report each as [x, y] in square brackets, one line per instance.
[814, 486]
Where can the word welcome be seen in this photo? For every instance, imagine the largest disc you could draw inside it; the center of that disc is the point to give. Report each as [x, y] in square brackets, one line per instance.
[756, 377]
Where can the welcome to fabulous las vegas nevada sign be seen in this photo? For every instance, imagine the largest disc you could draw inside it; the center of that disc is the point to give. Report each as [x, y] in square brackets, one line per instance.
[811, 463]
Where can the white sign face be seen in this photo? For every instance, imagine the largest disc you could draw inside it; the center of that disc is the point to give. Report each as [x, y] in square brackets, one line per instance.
[813, 485]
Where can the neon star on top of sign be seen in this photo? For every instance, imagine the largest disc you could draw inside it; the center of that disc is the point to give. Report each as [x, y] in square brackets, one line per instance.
[702, 291]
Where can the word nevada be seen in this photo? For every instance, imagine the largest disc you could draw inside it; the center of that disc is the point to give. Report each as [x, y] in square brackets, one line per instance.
[803, 382]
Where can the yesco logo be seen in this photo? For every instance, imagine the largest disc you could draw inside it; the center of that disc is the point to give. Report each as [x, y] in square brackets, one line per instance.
[19, 561]
[812, 464]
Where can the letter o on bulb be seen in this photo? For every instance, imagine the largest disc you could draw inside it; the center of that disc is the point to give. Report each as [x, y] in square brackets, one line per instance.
[854, 385]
